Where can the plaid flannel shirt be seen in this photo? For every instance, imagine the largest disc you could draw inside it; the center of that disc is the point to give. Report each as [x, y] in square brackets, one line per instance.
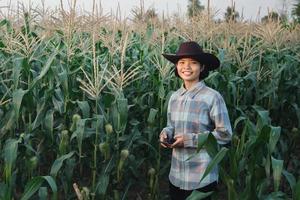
[192, 112]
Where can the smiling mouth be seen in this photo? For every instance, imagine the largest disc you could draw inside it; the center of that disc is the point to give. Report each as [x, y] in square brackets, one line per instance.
[187, 73]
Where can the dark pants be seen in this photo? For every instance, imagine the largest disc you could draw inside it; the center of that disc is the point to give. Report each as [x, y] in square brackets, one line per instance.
[179, 194]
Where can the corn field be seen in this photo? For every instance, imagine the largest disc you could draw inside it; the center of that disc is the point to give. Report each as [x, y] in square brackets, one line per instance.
[83, 99]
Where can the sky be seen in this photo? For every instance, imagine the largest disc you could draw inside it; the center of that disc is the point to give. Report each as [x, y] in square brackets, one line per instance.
[249, 9]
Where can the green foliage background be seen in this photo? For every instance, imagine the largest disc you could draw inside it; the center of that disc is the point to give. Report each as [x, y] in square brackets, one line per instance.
[83, 100]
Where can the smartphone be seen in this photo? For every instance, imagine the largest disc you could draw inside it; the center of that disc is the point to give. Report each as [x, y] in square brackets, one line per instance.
[168, 142]
[165, 143]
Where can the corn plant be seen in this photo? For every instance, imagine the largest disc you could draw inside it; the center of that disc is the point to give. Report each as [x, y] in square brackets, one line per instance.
[83, 99]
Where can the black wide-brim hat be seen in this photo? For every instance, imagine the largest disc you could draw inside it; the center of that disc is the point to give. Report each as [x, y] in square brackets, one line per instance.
[192, 49]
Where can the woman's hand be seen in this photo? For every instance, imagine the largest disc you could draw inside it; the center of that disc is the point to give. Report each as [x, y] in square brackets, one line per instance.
[178, 141]
[163, 140]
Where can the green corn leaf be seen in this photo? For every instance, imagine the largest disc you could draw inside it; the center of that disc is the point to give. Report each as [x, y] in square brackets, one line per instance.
[31, 187]
[238, 120]
[234, 164]
[49, 122]
[126, 190]
[248, 192]
[17, 72]
[211, 145]
[25, 66]
[58, 163]
[63, 78]
[262, 187]
[154, 150]
[274, 137]
[98, 122]
[39, 113]
[4, 192]
[277, 166]
[232, 194]
[167, 101]
[85, 108]
[51, 182]
[45, 68]
[102, 184]
[196, 195]
[202, 138]
[161, 91]
[280, 70]
[215, 161]
[43, 193]
[34, 184]
[58, 101]
[249, 128]
[119, 114]
[4, 22]
[108, 100]
[296, 194]
[10, 151]
[275, 196]
[255, 144]
[268, 165]
[224, 175]
[17, 100]
[264, 135]
[79, 133]
[10, 123]
[152, 114]
[262, 117]
[122, 104]
[241, 145]
[297, 111]
[291, 179]
[233, 93]
[10, 155]
[151, 121]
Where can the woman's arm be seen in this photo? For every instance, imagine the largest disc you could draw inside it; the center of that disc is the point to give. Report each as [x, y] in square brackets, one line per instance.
[220, 118]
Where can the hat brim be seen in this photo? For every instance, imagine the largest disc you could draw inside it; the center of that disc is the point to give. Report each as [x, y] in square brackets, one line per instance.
[207, 59]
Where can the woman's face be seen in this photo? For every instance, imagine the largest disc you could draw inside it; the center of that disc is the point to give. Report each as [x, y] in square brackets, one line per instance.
[189, 70]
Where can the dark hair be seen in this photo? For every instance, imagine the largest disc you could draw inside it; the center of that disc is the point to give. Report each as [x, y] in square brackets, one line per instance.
[202, 76]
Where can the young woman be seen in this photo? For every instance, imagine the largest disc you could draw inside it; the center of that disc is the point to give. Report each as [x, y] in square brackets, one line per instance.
[192, 110]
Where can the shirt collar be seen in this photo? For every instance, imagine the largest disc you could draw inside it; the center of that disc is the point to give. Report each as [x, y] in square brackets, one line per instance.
[193, 90]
